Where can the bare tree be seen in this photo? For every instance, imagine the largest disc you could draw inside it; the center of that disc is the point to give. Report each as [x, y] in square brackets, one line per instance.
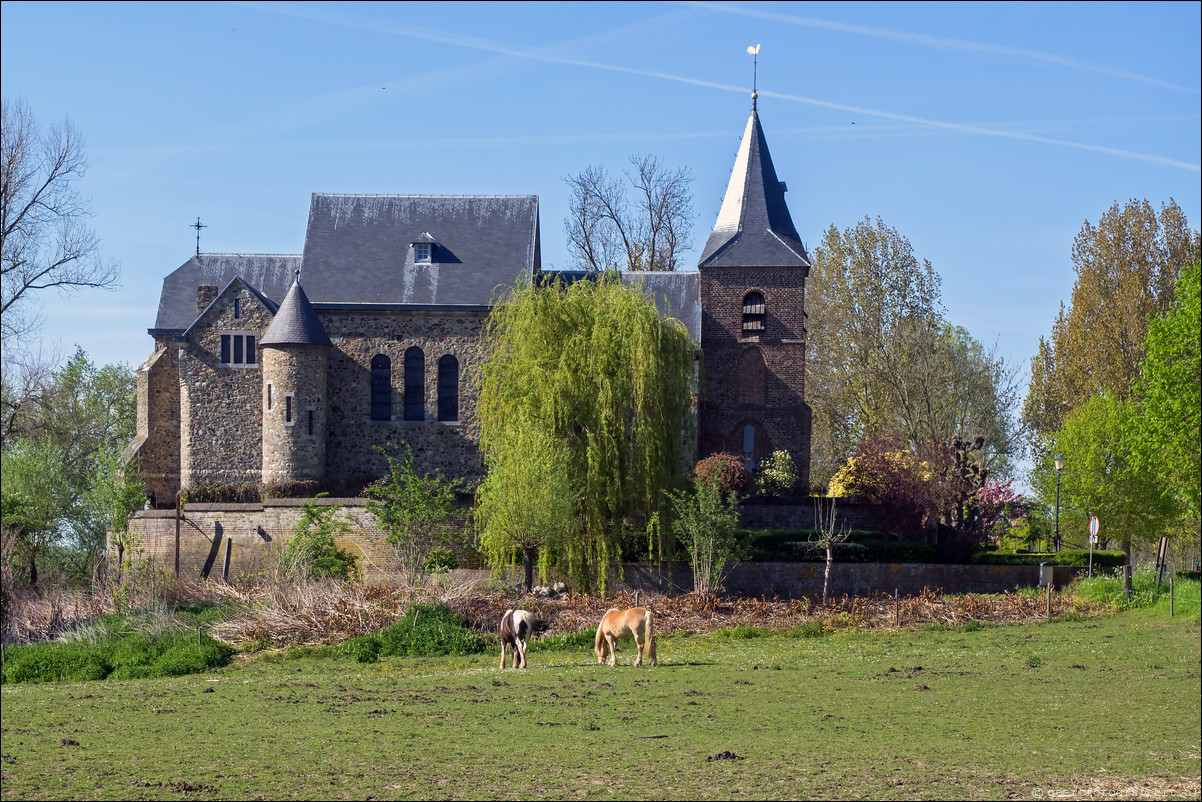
[608, 229]
[46, 241]
[825, 535]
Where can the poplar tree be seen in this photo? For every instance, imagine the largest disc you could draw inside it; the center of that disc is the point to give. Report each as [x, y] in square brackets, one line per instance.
[595, 367]
[1127, 267]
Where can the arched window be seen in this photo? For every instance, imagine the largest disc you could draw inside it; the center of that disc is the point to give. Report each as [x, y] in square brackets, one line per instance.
[381, 387]
[448, 388]
[753, 313]
[415, 384]
[750, 376]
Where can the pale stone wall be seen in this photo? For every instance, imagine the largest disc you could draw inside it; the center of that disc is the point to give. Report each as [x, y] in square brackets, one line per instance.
[156, 445]
[221, 430]
[294, 412]
[450, 447]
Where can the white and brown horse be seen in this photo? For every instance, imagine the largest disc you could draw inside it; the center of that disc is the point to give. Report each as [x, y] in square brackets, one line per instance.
[516, 628]
[620, 624]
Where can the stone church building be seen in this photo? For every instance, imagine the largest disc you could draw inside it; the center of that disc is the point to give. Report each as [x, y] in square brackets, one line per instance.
[294, 367]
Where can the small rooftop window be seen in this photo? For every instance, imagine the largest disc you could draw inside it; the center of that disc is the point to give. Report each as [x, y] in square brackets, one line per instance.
[422, 252]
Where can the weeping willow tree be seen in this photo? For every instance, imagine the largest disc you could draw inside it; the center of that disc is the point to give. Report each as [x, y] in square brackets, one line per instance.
[595, 367]
[527, 504]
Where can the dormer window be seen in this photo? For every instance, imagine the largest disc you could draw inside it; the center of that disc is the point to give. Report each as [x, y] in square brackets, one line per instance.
[423, 253]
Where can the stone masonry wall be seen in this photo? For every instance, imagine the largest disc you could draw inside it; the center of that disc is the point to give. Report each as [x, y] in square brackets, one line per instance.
[448, 446]
[220, 406]
[778, 410]
[157, 443]
[253, 534]
[294, 407]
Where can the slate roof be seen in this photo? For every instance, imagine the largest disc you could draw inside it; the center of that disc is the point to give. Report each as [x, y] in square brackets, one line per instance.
[269, 274]
[358, 248]
[754, 228]
[295, 323]
[676, 294]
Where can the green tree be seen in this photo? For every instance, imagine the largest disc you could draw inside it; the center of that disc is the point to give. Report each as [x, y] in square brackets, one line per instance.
[1102, 477]
[36, 500]
[1168, 441]
[312, 550]
[883, 359]
[594, 366]
[707, 525]
[527, 501]
[414, 511]
[1127, 267]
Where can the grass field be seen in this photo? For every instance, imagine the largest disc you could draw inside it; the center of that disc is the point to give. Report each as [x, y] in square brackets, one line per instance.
[1104, 708]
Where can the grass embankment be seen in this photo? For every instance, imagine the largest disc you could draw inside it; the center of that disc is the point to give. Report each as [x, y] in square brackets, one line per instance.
[1104, 707]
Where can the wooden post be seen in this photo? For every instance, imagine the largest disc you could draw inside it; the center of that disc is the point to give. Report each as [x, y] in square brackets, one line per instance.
[178, 504]
[1171, 596]
[896, 608]
[1049, 605]
[225, 569]
[1127, 581]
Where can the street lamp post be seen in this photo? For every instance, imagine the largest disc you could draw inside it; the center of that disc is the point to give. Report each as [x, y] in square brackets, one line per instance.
[1059, 460]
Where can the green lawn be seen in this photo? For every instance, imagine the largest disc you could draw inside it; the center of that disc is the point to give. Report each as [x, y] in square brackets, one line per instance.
[1106, 708]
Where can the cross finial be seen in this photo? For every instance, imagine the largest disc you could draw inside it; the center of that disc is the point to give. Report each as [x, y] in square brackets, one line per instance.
[198, 226]
[754, 52]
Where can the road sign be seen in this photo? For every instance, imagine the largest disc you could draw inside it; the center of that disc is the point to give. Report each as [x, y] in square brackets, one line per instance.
[1094, 526]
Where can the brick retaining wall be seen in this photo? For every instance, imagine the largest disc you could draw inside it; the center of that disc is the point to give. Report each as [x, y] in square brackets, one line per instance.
[254, 533]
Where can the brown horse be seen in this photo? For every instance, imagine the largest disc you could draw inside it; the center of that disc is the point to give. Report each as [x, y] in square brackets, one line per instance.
[516, 627]
[620, 624]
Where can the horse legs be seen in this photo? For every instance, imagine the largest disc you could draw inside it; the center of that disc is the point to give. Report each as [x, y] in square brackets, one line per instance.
[638, 649]
[519, 650]
[502, 655]
[610, 641]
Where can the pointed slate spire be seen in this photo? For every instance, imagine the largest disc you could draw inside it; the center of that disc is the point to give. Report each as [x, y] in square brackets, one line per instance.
[754, 228]
[295, 323]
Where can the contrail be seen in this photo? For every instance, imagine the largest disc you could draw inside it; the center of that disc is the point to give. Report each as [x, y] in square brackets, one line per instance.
[940, 43]
[547, 55]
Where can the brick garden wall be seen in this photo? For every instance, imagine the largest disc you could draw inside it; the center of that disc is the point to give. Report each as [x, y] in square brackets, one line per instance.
[254, 534]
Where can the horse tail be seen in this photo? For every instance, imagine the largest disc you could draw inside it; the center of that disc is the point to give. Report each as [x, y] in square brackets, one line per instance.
[599, 640]
[650, 636]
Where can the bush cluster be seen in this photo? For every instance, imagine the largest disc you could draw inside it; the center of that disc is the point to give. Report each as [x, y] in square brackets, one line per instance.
[213, 493]
[428, 630]
[790, 545]
[118, 652]
[1078, 558]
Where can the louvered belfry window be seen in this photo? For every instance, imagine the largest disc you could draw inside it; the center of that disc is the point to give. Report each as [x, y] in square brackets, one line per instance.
[753, 313]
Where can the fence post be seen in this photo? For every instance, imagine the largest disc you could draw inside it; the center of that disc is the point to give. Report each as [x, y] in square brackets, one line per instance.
[1171, 596]
[896, 608]
[1049, 605]
[1127, 581]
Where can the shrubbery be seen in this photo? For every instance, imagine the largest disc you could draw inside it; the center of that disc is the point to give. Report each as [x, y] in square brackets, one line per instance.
[1078, 558]
[116, 647]
[426, 630]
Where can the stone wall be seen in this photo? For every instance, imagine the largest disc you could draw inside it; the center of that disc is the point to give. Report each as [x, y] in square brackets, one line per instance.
[221, 431]
[448, 446]
[253, 534]
[294, 406]
[156, 445]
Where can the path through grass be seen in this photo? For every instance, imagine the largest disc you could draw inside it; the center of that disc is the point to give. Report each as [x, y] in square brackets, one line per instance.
[1097, 707]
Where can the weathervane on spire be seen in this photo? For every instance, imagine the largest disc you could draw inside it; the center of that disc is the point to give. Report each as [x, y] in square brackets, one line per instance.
[198, 226]
[754, 52]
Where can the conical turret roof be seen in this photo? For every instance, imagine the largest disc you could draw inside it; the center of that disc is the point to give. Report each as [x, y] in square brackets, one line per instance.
[295, 323]
[754, 228]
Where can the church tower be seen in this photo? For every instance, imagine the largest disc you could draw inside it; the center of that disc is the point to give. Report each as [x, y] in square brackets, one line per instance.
[753, 273]
[294, 352]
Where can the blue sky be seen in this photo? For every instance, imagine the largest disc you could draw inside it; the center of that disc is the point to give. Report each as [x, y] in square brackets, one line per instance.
[986, 133]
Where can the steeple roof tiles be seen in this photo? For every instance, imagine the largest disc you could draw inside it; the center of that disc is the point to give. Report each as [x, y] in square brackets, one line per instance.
[754, 227]
[295, 323]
